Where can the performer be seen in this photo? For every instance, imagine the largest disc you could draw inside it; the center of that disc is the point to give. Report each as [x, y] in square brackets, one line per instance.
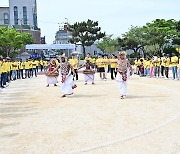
[67, 83]
[88, 72]
[124, 71]
[52, 78]
[74, 62]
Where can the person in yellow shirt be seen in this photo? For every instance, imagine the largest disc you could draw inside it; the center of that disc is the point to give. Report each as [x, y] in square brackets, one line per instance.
[13, 68]
[45, 64]
[37, 65]
[137, 65]
[21, 69]
[4, 72]
[34, 69]
[31, 67]
[113, 65]
[179, 67]
[1, 72]
[41, 65]
[147, 67]
[174, 63]
[100, 67]
[74, 62]
[27, 68]
[157, 63]
[167, 64]
[163, 59]
[106, 66]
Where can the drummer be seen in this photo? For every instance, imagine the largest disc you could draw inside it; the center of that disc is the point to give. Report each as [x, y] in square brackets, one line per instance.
[88, 72]
[52, 79]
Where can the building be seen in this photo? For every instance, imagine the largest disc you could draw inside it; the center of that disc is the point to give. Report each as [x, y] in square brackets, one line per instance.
[62, 35]
[4, 16]
[22, 15]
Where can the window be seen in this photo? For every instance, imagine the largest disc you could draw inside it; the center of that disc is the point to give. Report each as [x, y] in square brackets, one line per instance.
[35, 19]
[25, 15]
[16, 15]
[6, 18]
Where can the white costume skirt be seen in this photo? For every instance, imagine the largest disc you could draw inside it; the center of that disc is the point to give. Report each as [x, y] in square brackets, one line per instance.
[89, 77]
[122, 84]
[51, 80]
[66, 87]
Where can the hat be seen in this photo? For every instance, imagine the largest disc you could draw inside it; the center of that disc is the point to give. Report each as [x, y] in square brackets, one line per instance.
[122, 53]
[63, 56]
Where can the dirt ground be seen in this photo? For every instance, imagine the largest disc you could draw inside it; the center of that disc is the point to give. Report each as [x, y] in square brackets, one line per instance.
[36, 120]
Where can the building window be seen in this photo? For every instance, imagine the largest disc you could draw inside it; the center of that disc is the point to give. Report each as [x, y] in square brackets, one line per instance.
[25, 15]
[16, 15]
[6, 18]
[35, 19]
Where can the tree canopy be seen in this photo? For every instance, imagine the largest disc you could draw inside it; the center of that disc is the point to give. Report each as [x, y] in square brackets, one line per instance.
[85, 33]
[11, 40]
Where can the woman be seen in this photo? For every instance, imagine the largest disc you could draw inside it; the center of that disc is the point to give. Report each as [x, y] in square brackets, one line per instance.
[88, 72]
[66, 71]
[124, 71]
[52, 78]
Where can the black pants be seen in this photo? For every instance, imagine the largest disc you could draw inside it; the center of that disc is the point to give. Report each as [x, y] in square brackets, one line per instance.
[21, 74]
[18, 74]
[162, 70]
[113, 72]
[76, 74]
[41, 68]
[167, 72]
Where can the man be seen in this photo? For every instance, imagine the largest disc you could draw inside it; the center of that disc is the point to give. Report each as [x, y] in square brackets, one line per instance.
[27, 67]
[34, 68]
[13, 68]
[4, 73]
[147, 67]
[21, 69]
[167, 64]
[100, 67]
[124, 70]
[113, 65]
[106, 66]
[174, 63]
[74, 62]
[67, 83]
[157, 62]
[1, 72]
[163, 59]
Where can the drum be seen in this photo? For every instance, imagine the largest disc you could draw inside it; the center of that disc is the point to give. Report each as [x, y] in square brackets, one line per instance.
[88, 72]
[55, 74]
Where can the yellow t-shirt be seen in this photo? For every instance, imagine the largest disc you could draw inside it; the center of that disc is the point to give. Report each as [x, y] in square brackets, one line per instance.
[113, 63]
[27, 65]
[174, 61]
[37, 63]
[162, 61]
[21, 66]
[5, 67]
[168, 61]
[41, 62]
[45, 63]
[158, 62]
[34, 64]
[148, 64]
[106, 62]
[1, 67]
[74, 62]
[100, 62]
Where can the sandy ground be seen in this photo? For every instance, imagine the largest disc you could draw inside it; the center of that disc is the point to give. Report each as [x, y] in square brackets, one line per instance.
[36, 120]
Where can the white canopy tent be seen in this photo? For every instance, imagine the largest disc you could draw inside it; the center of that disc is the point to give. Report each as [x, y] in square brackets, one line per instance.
[51, 47]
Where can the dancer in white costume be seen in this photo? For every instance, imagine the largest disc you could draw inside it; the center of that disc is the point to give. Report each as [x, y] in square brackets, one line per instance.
[66, 70]
[88, 72]
[52, 79]
[124, 72]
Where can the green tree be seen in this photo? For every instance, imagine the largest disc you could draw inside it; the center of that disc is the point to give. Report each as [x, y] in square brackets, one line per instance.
[85, 33]
[108, 44]
[11, 40]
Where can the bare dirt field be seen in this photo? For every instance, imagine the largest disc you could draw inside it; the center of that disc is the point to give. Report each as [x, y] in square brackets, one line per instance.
[36, 120]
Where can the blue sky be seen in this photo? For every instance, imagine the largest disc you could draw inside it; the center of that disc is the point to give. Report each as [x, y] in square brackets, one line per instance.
[114, 16]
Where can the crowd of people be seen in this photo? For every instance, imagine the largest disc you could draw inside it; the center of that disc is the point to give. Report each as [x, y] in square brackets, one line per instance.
[12, 70]
[118, 66]
[158, 66]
